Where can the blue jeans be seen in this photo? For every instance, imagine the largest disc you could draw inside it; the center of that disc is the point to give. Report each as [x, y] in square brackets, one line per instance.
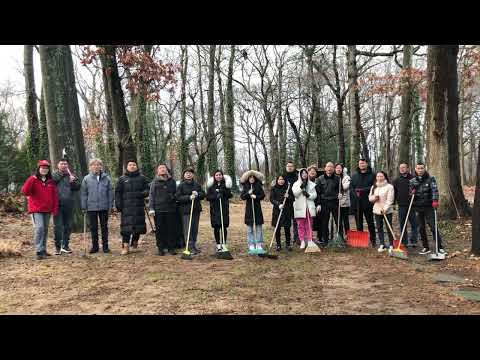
[259, 235]
[40, 224]
[402, 215]
[63, 226]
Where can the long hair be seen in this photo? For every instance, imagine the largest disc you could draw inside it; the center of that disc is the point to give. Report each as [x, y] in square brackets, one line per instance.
[384, 174]
[48, 176]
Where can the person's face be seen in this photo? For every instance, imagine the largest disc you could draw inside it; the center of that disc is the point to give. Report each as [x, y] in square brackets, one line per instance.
[362, 165]
[403, 168]
[329, 168]
[304, 175]
[312, 173]
[43, 170]
[281, 181]
[62, 166]
[188, 175]
[380, 177]
[290, 167]
[338, 170]
[132, 167]
[96, 167]
[218, 177]
[251, 179]
[420, 169]
[162, 170]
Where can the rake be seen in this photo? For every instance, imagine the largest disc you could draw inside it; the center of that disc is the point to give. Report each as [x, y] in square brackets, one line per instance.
[186, 255]
[398, 252]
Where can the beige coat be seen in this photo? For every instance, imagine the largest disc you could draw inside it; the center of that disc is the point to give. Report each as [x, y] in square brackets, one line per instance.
[386, 193]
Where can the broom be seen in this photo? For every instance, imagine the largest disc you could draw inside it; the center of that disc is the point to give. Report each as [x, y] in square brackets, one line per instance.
[311, 246]
[224, 253]
[398, 252]
[267, 254]
[186, 255]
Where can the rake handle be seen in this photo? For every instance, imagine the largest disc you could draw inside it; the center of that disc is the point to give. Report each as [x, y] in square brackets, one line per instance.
[278, 220]
[406, 221]
[221, 220]
[189, 225]
[254, 222]
[390, 227]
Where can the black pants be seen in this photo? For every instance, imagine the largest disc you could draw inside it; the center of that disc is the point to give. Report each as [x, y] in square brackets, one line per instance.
[368, 212]
[426, 215]
[165, 230]
[217, 231]
[134, 238]
[93, 217]
[344, 221]
[381, 236]
[193, 229]
[327, 209]
[287, 235]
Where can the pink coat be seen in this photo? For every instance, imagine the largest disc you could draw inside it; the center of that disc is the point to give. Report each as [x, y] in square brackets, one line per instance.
[386, 193]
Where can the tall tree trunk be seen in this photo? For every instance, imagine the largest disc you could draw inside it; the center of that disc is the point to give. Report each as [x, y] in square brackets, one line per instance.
[43, 151]
[212, 149]
[126, 146]
[406, 106]
[111, 153]
[455, 181]
[476, 213]
[228, 136]
[221, 95]
[33, 141]
[183, 121]
[317, 119]
[341, 137]
[354, 104]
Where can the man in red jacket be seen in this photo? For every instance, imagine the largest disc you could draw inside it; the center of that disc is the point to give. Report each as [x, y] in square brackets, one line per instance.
[41, 192]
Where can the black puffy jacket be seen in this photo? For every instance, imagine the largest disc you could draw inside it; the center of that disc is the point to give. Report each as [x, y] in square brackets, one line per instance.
[130, 194]
[213, 197]
[276, 198]
[184, 191]
[162, 195]
[362, 183]
[260, 194]
[426, 190]
[328, 188]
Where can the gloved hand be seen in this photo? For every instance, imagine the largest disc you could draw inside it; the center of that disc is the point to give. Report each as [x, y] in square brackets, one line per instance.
[286, 195]
[306, 194]
[253, 196]
[435, 204]
[195, 193]
[302, 186]
[250, 192]
[413, 191]
[151, 212]
[217, 190]
[192, 197]
[340, 196]
[319, 208]
[281, 206]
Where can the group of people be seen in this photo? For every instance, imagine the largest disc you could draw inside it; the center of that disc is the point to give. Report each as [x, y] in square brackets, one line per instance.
[303, 199]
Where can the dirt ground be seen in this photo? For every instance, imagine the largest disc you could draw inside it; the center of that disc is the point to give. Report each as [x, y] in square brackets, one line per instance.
[359, 281]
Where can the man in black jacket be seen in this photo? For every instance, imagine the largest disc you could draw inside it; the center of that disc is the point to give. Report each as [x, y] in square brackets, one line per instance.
[291, 175]
[403, 198]
[362, 182]
[328, 189]
[188, 191]
[162, 205]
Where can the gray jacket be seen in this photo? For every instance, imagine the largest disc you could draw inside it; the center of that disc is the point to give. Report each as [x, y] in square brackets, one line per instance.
[65, 188]
[97, 195]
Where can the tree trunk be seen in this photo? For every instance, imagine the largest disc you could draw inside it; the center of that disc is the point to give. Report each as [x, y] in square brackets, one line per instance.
[43, 151]
[406, 106]
[228, 136]
[33, 141]
[212, 149]
[126, 146]
[183, 121]
[341, 136]
[111, 153]
[417, 132]
[476, 213]
[455, 182]
[354, 104]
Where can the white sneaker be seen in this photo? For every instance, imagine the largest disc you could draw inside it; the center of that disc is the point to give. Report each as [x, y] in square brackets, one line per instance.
[302, 245]
[441, 251]
[251, 248]
[425, 251]
[390, 248]
[219, 247]
[381, 248]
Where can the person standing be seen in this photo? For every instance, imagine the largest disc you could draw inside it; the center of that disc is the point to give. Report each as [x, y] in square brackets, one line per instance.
[425, 189]
[382, 196]
[291, 176]
[189, 190]
[362, 182]
[130, 193]
[402, 197]
[162, 204]
[97, 201]
[328, 190]
[219, 189]
[278, 195]
[344, 199]
[42, 197]
[67, 184]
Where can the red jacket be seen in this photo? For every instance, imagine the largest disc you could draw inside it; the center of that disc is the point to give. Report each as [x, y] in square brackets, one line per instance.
[42, 198]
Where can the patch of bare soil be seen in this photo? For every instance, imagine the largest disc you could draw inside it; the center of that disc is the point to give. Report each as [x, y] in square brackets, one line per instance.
[359, 281]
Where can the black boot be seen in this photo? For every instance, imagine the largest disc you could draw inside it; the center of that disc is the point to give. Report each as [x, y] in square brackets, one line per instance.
[160, 252]
[106, 250]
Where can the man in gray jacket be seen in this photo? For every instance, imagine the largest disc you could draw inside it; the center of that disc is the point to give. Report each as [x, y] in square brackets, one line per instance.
[67, 184]
[97, 200]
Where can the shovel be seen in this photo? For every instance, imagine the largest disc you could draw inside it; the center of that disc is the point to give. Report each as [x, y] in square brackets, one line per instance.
[186, 255]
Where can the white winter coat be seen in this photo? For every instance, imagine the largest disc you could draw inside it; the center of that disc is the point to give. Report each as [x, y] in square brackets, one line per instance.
[386, 194]
[301, 202]
[345, 200]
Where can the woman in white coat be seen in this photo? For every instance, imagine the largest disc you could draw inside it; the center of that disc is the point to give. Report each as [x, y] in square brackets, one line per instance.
[304, 207]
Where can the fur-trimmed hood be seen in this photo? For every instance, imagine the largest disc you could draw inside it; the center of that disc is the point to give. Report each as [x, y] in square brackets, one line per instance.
[227, 178]
[260, 177]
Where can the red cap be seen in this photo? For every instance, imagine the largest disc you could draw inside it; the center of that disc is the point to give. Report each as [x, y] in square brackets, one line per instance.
[43, 163]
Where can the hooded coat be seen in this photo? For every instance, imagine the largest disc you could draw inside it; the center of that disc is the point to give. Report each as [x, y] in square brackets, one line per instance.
[130, 193]
[213, 196]
[301, 202]
[260, 195]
